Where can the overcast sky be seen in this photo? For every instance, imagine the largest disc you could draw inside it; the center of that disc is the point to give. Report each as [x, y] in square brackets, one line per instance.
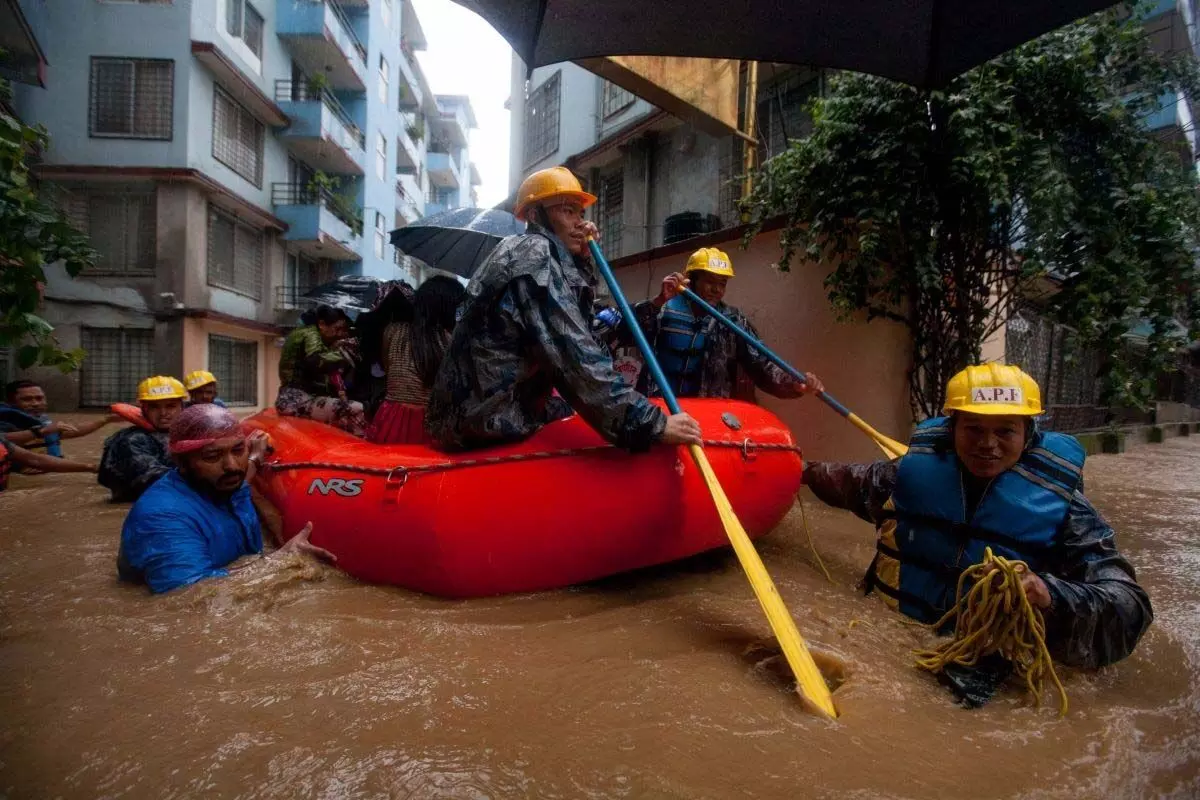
[466, 56]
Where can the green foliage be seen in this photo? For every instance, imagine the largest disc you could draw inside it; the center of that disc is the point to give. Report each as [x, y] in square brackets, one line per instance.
[329, 189]
[32, 235]
[1034, 174]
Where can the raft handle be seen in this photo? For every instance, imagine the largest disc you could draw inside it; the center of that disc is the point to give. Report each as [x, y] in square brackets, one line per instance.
[748, 450]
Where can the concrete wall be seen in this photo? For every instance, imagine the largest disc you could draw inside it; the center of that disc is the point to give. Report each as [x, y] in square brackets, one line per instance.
[72, 31]
[382, 118]
[863, 365]
[195, 333]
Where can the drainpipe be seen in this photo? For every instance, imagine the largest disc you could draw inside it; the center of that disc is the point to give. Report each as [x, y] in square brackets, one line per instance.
[750, 149]
[647, 235]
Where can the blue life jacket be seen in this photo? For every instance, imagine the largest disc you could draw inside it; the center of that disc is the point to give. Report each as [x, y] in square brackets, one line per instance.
[928, 541]
[680, 344]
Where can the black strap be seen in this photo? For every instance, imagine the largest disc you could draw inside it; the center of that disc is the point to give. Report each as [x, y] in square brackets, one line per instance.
[965, 532]
[945, 570]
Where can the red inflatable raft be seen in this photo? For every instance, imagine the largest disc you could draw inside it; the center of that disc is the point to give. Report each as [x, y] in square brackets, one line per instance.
[560, 508]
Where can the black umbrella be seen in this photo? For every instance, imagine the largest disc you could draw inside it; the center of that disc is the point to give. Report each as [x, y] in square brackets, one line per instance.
[925, 43]
[353, 294]
[457, 240]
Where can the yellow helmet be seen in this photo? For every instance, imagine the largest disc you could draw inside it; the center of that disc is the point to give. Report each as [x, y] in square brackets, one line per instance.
[993, 389]
[547, 183]
[194, 380]
[710, 259]
[161, 387]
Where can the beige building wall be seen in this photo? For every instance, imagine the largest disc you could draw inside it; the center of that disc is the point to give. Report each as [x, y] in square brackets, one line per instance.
[863, 365]
[195, 353]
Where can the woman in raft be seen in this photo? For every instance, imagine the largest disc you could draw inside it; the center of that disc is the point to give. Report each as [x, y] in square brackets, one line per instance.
[412, 352]
[310, 373]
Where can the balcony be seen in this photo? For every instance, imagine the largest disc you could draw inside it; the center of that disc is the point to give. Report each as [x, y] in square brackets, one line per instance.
[408, 153]
[321, 133]
[408, 204]
[411, 95]
[1175, 124]
[432, 208]
[322, 224]
[322, 39]
[443, 170]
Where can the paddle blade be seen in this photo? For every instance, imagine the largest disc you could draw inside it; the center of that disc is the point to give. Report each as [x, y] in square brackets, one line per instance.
[811, 683]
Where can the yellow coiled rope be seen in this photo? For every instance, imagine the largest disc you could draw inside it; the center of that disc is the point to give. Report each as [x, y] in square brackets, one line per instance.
[995, 616]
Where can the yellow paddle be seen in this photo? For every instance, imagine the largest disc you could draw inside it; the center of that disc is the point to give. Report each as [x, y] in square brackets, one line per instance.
[890, 447]
[811, 682]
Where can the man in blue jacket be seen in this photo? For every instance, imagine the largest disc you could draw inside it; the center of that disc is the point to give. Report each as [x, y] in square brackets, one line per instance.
[198, 518]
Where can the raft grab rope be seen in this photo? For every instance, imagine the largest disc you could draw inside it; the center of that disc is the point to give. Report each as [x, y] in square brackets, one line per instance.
[397, 477]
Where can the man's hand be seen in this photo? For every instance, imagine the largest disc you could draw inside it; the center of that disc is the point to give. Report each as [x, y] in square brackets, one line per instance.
[259, 443]
[61, 428]
[590, 230]
[812, 384]
[1035, 588]
[681, 429]
[300, 544]
[671, 286]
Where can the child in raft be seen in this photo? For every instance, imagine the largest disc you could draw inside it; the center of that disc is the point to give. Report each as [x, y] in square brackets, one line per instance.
[413, 352]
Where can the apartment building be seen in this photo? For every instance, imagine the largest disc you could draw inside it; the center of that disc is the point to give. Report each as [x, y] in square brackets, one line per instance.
[658, 179]
[225, 157]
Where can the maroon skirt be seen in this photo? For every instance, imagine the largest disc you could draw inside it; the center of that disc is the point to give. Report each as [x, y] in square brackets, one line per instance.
[398, 423]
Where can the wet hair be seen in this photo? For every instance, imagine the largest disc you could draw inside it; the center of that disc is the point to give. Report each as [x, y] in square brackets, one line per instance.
[435, 308]
[329, 315]
[11, 388]
[199, 425]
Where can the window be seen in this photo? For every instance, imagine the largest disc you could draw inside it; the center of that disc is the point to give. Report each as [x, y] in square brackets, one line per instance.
[541, 121]
[610, 218]
[380, 234]
[783, 111]
[385, 11]
[116, 359]
[235, 254]
[242, 21]
[235, 363]
[131, 98]
[383, 80]
[121, 225]
[381, 157]
[615, 99]
[237, 137]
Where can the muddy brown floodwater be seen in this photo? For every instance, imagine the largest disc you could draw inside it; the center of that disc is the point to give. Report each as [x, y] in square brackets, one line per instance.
[303, 683]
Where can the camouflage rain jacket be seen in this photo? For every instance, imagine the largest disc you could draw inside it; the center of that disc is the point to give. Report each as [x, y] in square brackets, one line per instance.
[525, 331]
[730, 367]
[1099, 612]
[132, 461]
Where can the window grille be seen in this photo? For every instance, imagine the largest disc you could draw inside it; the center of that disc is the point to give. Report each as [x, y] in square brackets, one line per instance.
[542, 120]
[116, 360]
[242, 21]
[234, 362]
[121, 225]
[235, 254]
[131, 98]
[610, 217]
[383, 80]
[615, 99]
[237, 137]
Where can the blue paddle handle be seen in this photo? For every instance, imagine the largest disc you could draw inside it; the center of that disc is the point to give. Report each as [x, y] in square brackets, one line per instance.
[638, 335]
[762, 348]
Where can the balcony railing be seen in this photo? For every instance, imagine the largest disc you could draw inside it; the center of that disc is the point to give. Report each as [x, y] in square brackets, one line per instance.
[342, 18]
[291, 298]
[288, 91]
[296, 194]
[408, 205]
